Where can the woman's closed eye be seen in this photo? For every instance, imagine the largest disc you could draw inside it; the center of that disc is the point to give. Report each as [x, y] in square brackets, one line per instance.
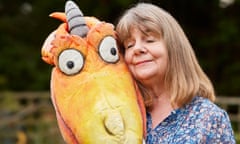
[150, 41]
[129, 45]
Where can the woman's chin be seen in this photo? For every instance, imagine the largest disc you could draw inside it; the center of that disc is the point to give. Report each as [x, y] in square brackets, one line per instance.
[144, 75]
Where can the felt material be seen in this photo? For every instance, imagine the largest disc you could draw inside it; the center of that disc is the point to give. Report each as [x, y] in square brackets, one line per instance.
[94, 96]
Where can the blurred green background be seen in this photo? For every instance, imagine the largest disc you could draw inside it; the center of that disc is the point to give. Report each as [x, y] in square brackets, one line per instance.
[212, 26]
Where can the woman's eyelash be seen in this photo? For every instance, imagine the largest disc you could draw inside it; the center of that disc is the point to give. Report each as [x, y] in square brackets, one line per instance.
[150, 40]
[129, 46]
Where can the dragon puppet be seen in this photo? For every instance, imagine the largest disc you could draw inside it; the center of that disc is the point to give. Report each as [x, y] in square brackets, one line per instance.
[94, 96]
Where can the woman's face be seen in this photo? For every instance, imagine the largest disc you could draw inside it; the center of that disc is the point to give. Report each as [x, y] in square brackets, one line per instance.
[146, 55]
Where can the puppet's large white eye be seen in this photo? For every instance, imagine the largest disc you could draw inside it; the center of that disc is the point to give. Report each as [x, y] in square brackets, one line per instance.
[108, 50]
[70, 61]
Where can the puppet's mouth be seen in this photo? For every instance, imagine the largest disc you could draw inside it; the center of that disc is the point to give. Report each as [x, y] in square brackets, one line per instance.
[65, 127]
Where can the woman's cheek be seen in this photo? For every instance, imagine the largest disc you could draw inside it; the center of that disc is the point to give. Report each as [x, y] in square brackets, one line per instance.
[127, 58]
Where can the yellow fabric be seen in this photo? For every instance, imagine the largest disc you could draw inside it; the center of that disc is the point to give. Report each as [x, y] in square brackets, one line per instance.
[100, 104]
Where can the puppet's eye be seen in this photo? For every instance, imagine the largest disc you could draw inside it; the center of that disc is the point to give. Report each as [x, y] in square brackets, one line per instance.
[108, 50]
[70, 61]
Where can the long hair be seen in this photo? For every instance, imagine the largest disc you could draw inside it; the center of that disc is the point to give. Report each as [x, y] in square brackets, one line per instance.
[184, 77]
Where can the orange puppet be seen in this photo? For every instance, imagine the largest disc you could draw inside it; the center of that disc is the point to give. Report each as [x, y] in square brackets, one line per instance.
[94, 96]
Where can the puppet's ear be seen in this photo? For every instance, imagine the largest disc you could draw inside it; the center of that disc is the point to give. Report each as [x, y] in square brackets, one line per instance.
[47, 56]
[59, 15]
[75, 20]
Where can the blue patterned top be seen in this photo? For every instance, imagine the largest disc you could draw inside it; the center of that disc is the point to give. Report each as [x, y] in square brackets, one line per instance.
[199, 122]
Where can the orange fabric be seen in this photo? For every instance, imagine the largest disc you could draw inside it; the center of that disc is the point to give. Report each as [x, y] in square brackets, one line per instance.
[101, 103]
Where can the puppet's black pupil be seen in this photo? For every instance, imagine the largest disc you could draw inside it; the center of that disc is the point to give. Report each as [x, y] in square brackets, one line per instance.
[113, 51]
[70, 64]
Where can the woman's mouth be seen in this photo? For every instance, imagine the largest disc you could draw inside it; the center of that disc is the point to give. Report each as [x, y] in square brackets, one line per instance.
[142, 62]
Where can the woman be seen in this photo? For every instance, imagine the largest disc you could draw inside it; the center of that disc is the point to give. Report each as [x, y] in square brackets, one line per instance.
[178, 95]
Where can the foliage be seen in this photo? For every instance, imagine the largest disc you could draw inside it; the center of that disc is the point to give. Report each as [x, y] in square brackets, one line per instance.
[24, 25]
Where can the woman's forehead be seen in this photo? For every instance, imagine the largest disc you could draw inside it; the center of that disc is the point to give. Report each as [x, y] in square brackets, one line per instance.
[145, 31]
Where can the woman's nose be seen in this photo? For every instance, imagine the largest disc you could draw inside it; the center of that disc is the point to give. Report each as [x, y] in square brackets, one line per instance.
[139, 48]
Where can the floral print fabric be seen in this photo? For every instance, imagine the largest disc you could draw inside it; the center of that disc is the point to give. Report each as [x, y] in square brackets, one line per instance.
[199, 122]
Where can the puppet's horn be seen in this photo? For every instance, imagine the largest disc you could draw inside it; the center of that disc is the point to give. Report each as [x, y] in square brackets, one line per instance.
[76, 21]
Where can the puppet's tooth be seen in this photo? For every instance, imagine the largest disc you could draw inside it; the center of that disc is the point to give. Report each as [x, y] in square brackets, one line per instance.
[76, 21]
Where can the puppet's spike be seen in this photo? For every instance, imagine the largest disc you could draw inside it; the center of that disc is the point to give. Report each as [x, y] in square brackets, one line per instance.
[76, 21]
